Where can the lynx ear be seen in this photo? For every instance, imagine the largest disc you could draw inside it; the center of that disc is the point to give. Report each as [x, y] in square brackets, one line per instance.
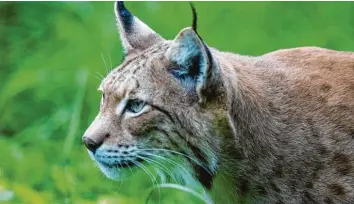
[135, 35]
[195, 67]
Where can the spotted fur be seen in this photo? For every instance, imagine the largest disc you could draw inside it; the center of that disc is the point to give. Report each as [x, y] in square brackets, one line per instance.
[276, 128]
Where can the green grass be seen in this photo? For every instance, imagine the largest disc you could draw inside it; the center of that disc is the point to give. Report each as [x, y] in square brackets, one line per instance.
[51, 59]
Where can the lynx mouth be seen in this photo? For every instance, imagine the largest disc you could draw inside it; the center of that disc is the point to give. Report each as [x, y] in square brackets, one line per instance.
[121, 164]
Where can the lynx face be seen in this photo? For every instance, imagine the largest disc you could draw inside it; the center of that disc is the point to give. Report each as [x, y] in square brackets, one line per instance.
[157, 104]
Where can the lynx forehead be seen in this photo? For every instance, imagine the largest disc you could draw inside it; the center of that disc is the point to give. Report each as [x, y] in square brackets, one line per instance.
[277, 128]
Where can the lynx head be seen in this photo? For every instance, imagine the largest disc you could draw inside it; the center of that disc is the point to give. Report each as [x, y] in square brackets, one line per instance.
[165, 99]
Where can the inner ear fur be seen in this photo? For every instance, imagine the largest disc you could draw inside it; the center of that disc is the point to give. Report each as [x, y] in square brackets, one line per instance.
[197, 67]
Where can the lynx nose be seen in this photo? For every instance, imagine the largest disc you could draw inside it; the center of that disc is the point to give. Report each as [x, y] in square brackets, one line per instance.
[91, 144]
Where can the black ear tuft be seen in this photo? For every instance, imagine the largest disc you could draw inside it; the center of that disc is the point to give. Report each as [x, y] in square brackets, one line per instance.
[134, 34]
[126, 16]
[194, 25]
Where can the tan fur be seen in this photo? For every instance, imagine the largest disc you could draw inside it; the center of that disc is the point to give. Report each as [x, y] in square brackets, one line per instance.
[294, 123]
[277, 128]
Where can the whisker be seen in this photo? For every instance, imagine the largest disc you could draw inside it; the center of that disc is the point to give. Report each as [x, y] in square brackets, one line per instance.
[102, 77]
[171, 162]
[128, 166]
[204, 198]
[120, 181]
[145, 170]
[96, 77]
[150, 175]
[104, 61]
[156, 167]
[120, 184]
[110, 61]
[179, 153]
[158, 164]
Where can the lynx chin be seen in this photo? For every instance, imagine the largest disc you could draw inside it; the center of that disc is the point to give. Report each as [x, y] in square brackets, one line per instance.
[276, 128]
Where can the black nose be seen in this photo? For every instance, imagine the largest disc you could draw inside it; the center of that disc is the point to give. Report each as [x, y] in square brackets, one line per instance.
[91, 144]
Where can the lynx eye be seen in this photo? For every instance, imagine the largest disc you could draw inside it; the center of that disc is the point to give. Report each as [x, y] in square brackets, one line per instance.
[135, 106]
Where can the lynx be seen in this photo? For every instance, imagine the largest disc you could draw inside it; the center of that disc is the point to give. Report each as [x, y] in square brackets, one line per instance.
[276, 128]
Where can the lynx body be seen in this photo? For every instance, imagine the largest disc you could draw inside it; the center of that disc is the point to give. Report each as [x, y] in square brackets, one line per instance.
[277, 128]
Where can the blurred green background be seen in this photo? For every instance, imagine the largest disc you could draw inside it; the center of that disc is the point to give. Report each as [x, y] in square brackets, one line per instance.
[53, 55]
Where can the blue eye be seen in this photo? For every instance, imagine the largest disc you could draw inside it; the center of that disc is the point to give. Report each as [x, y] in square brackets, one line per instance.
[135, 106]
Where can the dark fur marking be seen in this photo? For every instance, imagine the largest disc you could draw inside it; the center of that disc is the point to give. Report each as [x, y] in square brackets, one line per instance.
[293, 184]
[318, 166]
[327, 200]
[243, 187]
[309, 185]
[125, 67]
[278, 172]
[313, 128]
[325, 87]
[274, 187]
[278, 168]
[322, 99]
[163, 111]
[337, 189]
[322, 150]
[342, 107]
[314, 76]
[342, 163]
[261, 190]
[137, 69]
[308, 198]
[273, 108]
[351, 86]
[204, 177]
